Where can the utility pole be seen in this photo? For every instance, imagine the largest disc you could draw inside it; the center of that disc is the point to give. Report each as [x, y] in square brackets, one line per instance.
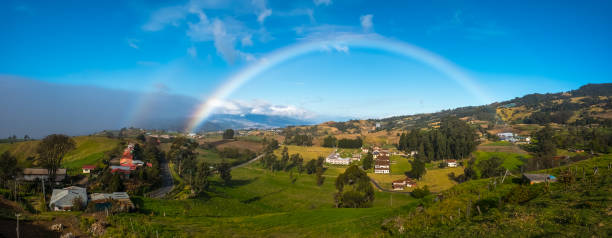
[17, 215]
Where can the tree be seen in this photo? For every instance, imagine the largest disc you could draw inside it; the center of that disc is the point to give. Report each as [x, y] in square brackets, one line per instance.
[200, 181]
[141, 137]
[225, 171]
[367, 161]
[545, 147]
[182, 151]
[329, 141]
[311, 166]
[418, 168]
[228, 134]
[26, 138]
[8, 166]
[490, 167]
[52, 150]
[354, 189]
[284, 158]
[115, 185]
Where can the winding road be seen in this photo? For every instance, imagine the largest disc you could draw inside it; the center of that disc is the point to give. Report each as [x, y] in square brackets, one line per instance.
[167, 182]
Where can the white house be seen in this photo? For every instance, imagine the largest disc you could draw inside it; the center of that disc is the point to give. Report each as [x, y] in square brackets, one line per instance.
[382, 165]
[451, 163]
[63, 199]
[334, 158]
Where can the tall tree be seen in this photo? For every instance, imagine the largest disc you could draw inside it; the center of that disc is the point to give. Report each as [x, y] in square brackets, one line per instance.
[182, 151]
[368, 161]
[418, 168]
[8, 166]
[228, 134]
[354, 189]
[200, 182]
[225, 172]
[52, 150]
[329, 141]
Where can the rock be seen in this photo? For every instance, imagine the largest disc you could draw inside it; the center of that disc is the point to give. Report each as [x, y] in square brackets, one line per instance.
[97, 229]
[68, 235]
[57, 227]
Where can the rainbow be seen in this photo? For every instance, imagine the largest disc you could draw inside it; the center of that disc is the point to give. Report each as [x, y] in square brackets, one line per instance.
[374, 41]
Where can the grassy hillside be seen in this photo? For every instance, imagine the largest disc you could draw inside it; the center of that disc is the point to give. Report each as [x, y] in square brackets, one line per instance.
[263, 203]
[307, 152]
[512, 161]
[579, 208]
[89, 150]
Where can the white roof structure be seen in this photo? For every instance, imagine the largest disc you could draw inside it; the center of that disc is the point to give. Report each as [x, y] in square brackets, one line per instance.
[62, 199]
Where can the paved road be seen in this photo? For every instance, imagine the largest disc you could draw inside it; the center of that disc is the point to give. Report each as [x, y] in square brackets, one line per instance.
[167, 182]
[248, 162]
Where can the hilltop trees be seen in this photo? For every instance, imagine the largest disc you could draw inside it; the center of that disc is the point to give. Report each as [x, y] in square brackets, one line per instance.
[52, 150]
[354, 189]
[330, 141]
[228, 134]
[455, 139]
[350, 143]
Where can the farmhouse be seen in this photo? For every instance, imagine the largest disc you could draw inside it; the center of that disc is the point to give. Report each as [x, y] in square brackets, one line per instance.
[334, 158]
[539, 178]
[120, 169]
[451, 163]
[381, 165]
[356, 157]
[88, 168]
[64, 199]
[32, 174]
[403, 183]
[507, 136]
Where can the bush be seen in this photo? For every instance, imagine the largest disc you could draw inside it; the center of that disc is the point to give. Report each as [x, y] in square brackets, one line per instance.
[421, 192]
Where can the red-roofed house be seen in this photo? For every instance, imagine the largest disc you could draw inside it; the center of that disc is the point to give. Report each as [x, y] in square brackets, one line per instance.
[88, 168]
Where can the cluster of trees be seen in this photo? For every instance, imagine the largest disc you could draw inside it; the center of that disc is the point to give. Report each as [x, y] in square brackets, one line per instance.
[542, 117]
[12, 139]
[345, 126]
[418, 169]
[228, 134]
[330, 141]
[367, 162]
[270, 145]
[350, 143]
[299, 139]
[285, 163]
[455, 139]
[196, 174]
[354, 189]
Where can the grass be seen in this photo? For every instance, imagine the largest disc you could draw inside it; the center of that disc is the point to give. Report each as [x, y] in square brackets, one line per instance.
[89, 150]
[499, 143]
[399, 165]
[512, 161]
[262, 203]
[437, 179]
[307, 152]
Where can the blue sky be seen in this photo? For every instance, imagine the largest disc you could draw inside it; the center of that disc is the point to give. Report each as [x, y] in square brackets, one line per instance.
[508, 48]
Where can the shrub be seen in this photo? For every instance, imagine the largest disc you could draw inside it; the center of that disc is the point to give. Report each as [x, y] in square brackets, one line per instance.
[421, 192]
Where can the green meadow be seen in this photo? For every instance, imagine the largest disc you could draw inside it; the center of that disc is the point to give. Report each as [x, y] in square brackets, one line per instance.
[262, 203]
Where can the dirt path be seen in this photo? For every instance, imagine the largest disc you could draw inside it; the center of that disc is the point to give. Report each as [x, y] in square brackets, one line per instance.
[248, 162]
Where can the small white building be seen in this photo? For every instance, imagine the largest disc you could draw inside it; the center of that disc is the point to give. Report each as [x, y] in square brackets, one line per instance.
[451, 163]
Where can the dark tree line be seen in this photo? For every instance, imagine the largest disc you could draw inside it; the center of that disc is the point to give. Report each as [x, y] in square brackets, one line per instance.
[455, 139]
[330, 141]
[350, 143]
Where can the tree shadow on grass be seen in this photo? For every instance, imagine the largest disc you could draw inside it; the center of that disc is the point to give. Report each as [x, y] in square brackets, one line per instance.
[257, 198]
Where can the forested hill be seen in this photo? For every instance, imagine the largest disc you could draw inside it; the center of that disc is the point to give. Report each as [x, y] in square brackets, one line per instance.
[590, 104]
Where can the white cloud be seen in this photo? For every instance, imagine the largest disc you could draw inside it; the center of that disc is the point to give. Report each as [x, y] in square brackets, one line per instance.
[366, 22]
[133, 43]
[192, 51]
[322, 2]
[261, 10]
[246, 40]
[165, 16]
[237, 107]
